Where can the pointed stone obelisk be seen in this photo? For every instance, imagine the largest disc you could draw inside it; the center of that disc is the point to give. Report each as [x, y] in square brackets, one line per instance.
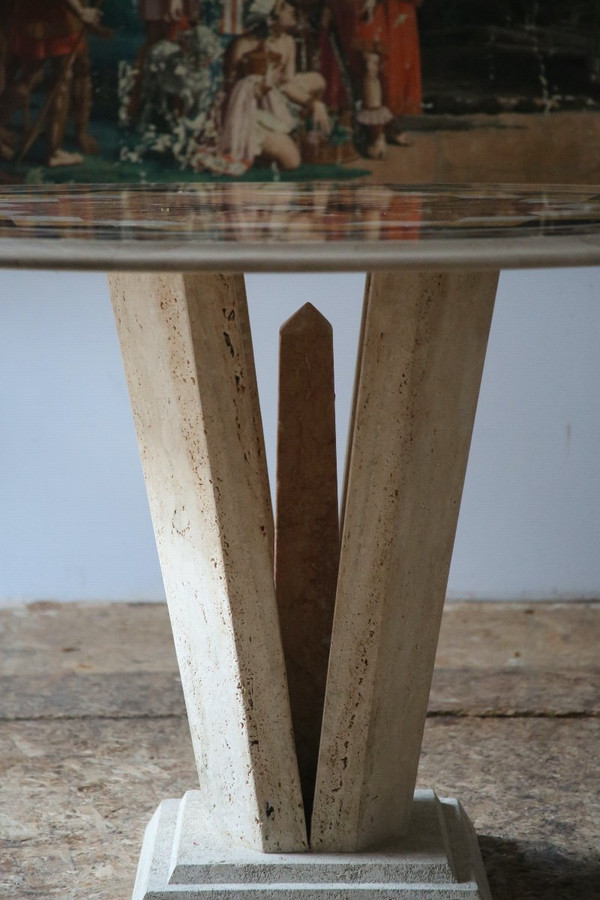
[307, 529]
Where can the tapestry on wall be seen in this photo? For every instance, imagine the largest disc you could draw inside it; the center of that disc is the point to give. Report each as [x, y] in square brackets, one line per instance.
[148, 91]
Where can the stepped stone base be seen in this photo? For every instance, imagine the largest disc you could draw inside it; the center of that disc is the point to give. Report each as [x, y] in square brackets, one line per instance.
[438, 860]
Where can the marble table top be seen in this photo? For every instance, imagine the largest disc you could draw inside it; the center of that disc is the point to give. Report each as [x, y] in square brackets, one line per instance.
[298, 227]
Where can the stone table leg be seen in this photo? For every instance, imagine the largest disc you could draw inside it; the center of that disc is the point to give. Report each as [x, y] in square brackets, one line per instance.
[423, 347]
[188, 359]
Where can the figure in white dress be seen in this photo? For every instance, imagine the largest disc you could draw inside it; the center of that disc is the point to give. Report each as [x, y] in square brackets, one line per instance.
[266, 97]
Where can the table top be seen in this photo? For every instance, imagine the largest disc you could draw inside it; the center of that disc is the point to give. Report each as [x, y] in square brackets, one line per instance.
[322, 226]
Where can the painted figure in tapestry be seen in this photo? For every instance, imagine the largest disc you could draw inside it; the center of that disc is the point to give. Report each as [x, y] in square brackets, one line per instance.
[47, 39]
[388, 38]
[339, 59]
[370, 58]
[267, 99]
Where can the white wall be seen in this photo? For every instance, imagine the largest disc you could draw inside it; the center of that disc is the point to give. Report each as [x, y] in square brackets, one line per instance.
[74, 522]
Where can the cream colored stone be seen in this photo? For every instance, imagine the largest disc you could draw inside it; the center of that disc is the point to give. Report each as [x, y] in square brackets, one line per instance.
[188, 359]
[438, 860]
[424, 343]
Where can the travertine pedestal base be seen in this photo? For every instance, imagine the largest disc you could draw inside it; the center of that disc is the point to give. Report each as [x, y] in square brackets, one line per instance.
[439, 859]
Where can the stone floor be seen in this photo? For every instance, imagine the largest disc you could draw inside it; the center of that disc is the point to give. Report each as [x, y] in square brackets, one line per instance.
[93, 734]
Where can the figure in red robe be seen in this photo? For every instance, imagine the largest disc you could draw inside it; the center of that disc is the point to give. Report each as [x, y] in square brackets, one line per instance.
[379, 40]
[52, 32]
[389, 29]
[338, 53]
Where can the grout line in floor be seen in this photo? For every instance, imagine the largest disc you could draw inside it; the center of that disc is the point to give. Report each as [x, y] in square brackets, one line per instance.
[434, 714]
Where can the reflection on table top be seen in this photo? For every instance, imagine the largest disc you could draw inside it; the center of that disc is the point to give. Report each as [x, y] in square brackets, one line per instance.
[318, 226]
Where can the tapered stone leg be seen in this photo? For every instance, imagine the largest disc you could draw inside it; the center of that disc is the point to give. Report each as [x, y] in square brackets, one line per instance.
[188, 359]
[424, 342]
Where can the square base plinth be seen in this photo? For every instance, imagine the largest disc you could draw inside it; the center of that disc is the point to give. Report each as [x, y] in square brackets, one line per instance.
[438, 859]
